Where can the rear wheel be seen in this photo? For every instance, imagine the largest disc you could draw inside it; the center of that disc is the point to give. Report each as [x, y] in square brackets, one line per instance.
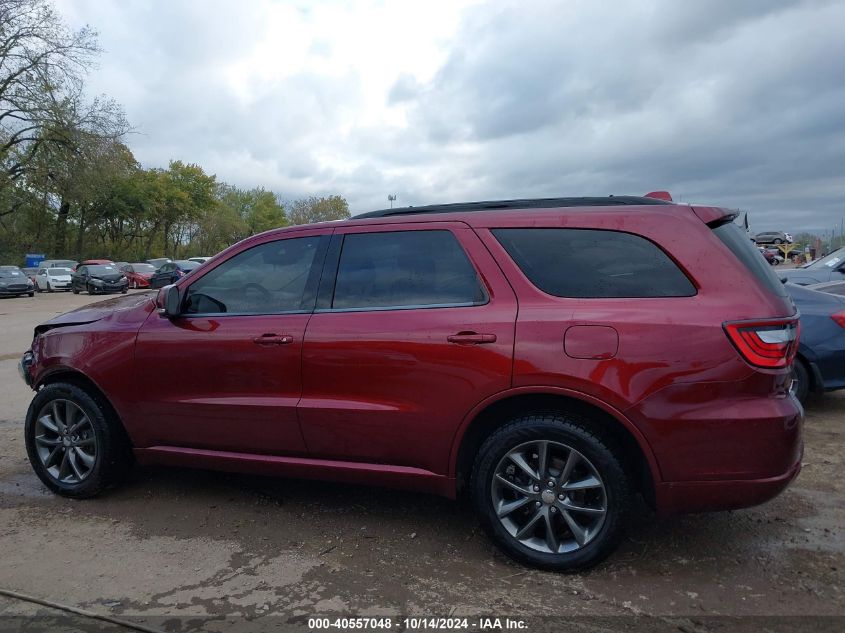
[551, 492]
[74, 443]
[800, 380]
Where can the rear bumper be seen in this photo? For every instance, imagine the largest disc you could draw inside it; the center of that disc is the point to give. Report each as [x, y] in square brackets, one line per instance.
[705, 496]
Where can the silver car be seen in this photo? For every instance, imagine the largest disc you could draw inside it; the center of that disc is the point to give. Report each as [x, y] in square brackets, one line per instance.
[773, 237]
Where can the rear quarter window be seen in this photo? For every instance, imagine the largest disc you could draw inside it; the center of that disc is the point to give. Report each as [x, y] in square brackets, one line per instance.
[589, 263]
[738, 242]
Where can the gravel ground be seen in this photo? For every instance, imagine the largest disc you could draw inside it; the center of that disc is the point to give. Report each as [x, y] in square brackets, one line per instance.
[212, 551]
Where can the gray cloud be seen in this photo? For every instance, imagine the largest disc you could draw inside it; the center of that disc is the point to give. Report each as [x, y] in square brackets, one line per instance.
[733, 103]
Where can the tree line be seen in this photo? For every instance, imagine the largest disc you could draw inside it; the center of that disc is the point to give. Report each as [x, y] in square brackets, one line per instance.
[71, 187]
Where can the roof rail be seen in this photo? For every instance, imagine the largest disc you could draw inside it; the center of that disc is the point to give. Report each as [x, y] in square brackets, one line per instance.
[531, 203]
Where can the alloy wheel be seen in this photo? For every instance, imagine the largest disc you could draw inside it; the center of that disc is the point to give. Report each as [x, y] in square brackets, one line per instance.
[65, 441]
[549, 497]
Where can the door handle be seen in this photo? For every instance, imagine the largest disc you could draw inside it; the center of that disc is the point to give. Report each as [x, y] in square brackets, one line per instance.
[471, 338]
[273, 339]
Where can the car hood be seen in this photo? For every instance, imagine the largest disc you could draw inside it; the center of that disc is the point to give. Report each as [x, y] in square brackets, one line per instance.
[119, 310]
[108, 277]
[803, 276]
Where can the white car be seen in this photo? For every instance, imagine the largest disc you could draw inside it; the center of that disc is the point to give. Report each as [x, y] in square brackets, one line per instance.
[51, 279]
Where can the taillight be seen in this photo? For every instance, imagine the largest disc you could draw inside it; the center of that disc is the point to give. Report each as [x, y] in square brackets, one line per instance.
[771, 343]
[839, 317]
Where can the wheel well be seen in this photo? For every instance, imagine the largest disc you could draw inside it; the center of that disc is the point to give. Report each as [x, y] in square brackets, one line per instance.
[500, 413]
[83, 382]
[811, 375]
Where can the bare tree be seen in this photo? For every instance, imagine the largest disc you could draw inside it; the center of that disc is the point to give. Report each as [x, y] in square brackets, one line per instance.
[313, 209]
[42, 64]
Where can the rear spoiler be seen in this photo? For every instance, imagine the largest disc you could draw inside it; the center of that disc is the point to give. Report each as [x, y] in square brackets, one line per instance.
[712, 216]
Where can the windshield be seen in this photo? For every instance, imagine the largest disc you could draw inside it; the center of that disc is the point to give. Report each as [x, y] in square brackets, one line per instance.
[58, 272]
[143, 268]
[830, 261]
[102, 270]
[11, 272]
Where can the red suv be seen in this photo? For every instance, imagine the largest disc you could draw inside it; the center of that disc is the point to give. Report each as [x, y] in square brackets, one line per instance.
[549, 358]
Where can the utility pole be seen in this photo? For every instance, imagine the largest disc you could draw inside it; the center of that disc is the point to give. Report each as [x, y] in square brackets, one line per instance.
[391, 197]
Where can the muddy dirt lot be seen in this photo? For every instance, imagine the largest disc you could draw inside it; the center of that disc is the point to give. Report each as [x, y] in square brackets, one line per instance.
[207, 546]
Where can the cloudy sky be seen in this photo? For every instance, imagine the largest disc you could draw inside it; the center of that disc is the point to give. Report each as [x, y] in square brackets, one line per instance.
[735, 103]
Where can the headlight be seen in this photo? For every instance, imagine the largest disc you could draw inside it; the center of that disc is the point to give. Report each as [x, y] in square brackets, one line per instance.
[3, 284]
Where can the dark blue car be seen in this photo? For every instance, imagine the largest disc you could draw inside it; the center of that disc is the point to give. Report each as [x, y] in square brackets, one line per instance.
[828, 268]
[820, 364]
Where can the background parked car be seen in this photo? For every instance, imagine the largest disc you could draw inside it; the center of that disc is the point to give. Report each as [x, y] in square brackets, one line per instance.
[14, 283]
[98, 278]
[771, 256]
[169, 273]
[60, 263]
[773, 237]
[831, 287]
[820, 363]
[158, 262]
[199, 260]
[828, 268]
[30, 272]
[96, 262]
[138, 274]
[53, 278]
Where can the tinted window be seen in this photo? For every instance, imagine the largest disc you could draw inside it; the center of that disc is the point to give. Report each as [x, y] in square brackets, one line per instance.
[590, 263]
[266, 279]
[740, 245]
[405, 268]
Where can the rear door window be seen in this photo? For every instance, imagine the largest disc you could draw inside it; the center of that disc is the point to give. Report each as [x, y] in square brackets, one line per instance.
[588, 263]
[405, 269]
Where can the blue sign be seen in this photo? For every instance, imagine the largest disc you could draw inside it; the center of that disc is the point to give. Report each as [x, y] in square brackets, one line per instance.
[33, 259]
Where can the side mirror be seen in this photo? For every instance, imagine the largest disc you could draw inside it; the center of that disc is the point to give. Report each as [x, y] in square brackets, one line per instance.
[168, 301]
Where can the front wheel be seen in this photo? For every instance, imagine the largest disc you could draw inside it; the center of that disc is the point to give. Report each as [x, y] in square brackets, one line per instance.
[74, 290]
[74, 443]
[777, 241]
[91, 290]
[551, 492]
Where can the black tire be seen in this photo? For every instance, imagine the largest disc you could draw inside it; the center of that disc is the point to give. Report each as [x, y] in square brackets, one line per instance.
[74, 290]
[573, 431]
[90, 289]
[123, 292]
[31, 294]
[777, 241]
[801, 380]
[113, 457]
